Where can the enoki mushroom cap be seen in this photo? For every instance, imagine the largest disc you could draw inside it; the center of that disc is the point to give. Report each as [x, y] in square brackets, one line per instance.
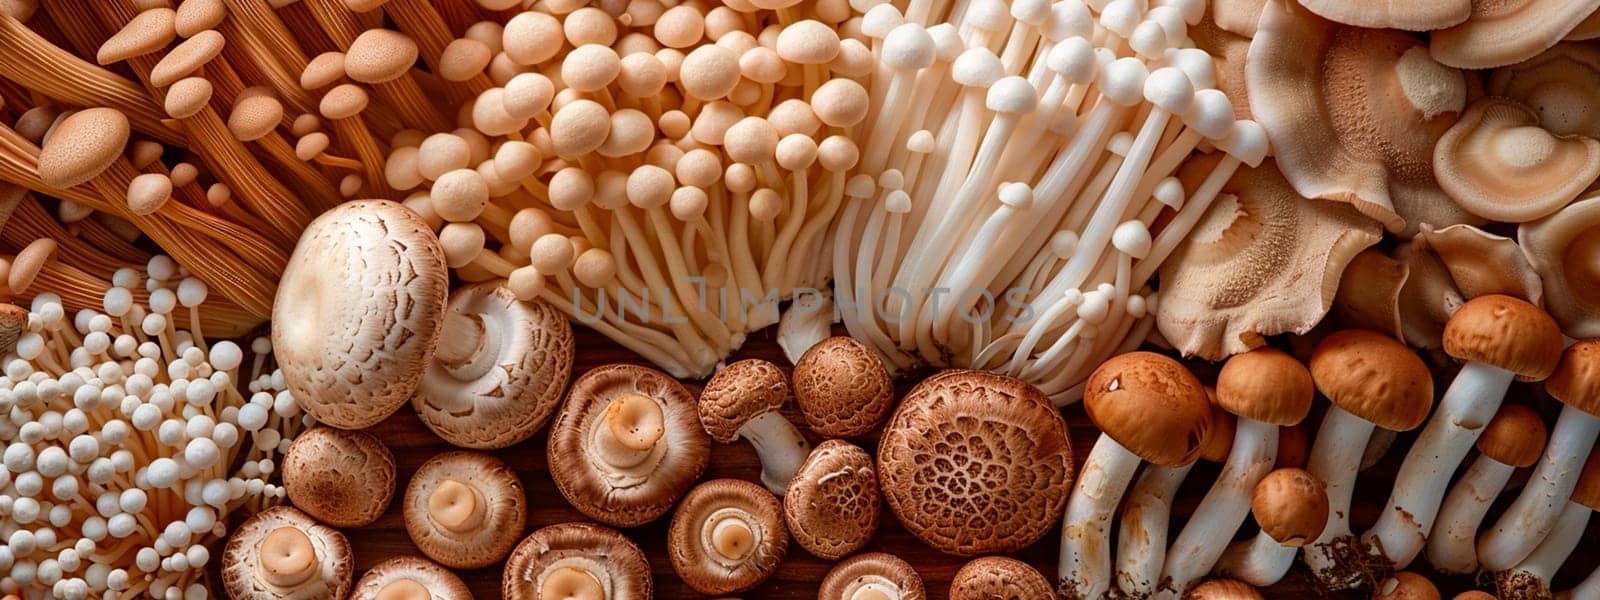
[1374, 377]
[282, 553]
[1505, 332]
[410, 578]
[343, 478]
[1150, 405]
[872, 575]
[576, 560]
[1562, 249]
[465, 509]
[82, 145]
[999, 577]
[1515, 436]
[842, 387]
[1291, 505]
[1497, 163]
[832, 505]
[727, 536]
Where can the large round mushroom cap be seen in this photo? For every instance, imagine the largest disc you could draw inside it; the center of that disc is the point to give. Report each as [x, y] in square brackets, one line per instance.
[1150, 405]
[1576, 380]
[465, 509]
[842, 387]
[727, 536]
[498, 375]
[410, 578]
[1291, 505]
[999, 577]
[1505, 332]
[358, 311]
[82, 145]
[738, 393]
[282, 553]
[1559, 84]
[886, 575]
[1267, 385]
[1563, 249]
[974, 463]
[627, 444]
[343, 478]
[1515, 436]
[833, 504]
[1510, 31]
[1387, 14]
[1497, 163]
[1374, 377]
[576, 560]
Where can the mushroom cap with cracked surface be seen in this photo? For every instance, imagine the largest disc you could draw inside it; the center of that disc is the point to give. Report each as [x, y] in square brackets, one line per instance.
[343, 478]
[842, 387]
[1151, 405]
[738, 393]
[999, 577]
[832, 506]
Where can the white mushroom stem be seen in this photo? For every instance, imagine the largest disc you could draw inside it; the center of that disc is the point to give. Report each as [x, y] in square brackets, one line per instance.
[1472, 400]
[1260, 562]
[1552, 551]
[781, 447]
[1142, 538]
[1541, 502]
[1334, 460]
[1085, 558]
[1452, 545]
[1223, 510]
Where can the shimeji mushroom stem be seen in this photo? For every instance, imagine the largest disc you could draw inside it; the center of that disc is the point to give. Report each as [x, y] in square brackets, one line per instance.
[1141, 540]
[1334, 459]
[1451, 546]
[1085, 558]
[1535, 512]
[781, 447]
[1222, 511]
[1261, 561]
[1530, 577]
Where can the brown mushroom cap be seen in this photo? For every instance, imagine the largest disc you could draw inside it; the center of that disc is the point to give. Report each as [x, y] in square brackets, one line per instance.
[27, 264]
[13, 322]
[842, 387]
[833, 503]
[1427, 298]
[1505, 332]
[1497, 163]
[1223, 589]
[975, 463]
[465, 509]
[282, 553]
[1588, 491]
[1294, 447]
[863, 574]
[1291, 505]
[1369, 292]
[1374, 377]
[1267, 385]
[1384, 14]
[1150, 405]
[410, 578]
[999, 577]
[343, 478]
[1406, 585]
[1576, 380]
[601, 404]
[82, 145]
[1482, 263]
[1564, 249]
[1502, 33]
[1558, 84]
[583, 560]
[738, 393]
[1515, 436]
[727, 536]
[358, 311]
[1219, 437]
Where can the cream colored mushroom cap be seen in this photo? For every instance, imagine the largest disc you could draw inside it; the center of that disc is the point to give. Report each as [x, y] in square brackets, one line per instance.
[282, 553]
[1386, 14]
[82, 145]
[1564, 249]
[410, 578]
[586, 558]
[1502, 33]
[833, 504]
[343, 478]
[864, 574]
[1497, 163]
[1482, 263]
[1559, 84]
[465, 509]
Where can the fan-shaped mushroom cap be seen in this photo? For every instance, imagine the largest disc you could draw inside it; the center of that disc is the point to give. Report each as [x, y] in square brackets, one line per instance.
[1369, 292]
[1502, 33]
[410, 578]
[1515, 436]
[999, 577]
[358, 311]
[499, 374]
[1564, 249]
[1267, 385]
[82, 145]
[738, 393]
[1497, 163]
[1223, 589]
[627, 444]
[833, 502]
[1428, 297]
[975, 463]
[1406, 585]
[872, 575]
[1481, 263]
[726, 536]
[1262, 261]
[576, 560]
[465, 509]
[1559, 84]
[1150, 405]
[1507, 333]
[343, 478]
[1386, 14]
[1576, 380]
[1291, 505]
[281, 553]
[842, 387]
[1374, 377]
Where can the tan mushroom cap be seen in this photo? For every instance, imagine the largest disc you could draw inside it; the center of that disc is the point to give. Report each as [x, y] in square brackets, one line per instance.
[1150, 405]
[975, 463]
[833, 503]
[727, 536]
[609, 409]
[1374, 377]
[1515, 436]
[1502, 33]
[1474, 595]
[1369, 292]
[1588, 491]
[1387, 14]
[1481, 263]
[82, 145]
[358, 311]
[1497, 163]
[1564, 249]
[255, 116]
[343, 478]
[379, 55]
[282, 553]
[738, 393]
[1505, 332]
[1428, 297]
[842, 387]
[1294, 447]
[1559, 84]
[1238, 17]
[1266, 384]
[13, 322]
[1223, 589]
[146, 32]
[1576, 380]
[576, 560]
[1228, 47]
[1291, 505]
[27, 264]
[410, 578]
[887, 575]
[999, 577]
[1406, 585]
[187, 57]
[465, 509]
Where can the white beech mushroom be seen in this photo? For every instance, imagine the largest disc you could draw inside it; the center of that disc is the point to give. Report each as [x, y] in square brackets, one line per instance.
[576, 560]
[464, 509]
[726, 537]
[1554, 84]
[833, 505]
[1561, 248]
[409, 578]
[742, 401]
[1378, 14]
[1291, 506]
[842, 388]
[874, 575]
[1531, 576]
[1502, 34]
[1513, 440]
[1498, 141]
[999, 577]
[282, 553]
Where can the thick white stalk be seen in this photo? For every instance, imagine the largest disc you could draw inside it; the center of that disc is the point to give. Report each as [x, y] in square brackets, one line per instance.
[1334, 458]
[1542, 500]
[1452, 545]
[781, 447]
[1222, 511]
[1530, 578]
[1260, 562]
[1085, 558]
[1142, 538]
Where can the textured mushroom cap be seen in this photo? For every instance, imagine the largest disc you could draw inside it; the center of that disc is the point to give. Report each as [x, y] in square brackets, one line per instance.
[842, 387]
[1502, 33]
[245, 578]
[1515, 436]
[358, 311]
[496, 492]
[1375, 377]
[146, 32]
[626, 497]
[1497, 163]
[342, 478]
[1576, 380]
[1406, 585]
[1238, 17]
[1223, 589]
[188, 57]
[974, 463]
[253, 117]
[739, 392]
[82, 145]
[739, 505]
[13, 322]
[1564, 249]
[505, 388]
[1218, 443]
[1387, 14]
[1505, 332]
[1588, 491]
[1558, 84]
[1150, 405]
[413, 578]
[1482, 263]
[1266, 385]
[1474, 595]
[1369, 293]
[379, 55]
[27, 264]
[874, 571]
[1291, 505]
[993, 577]
[833, 503]
[619, 567]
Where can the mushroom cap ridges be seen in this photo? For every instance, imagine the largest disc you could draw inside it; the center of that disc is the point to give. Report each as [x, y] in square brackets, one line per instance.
[975, 463]
[1562, 249]
[507, 390]
[599, 550]
[358, 311]
[1151, 405]
[833, 504]
[999, 577]
[740, 392]
[873, 569]
[1223, 589]
[1291, 505]
[1515, 436]
[439, 581]
[241, 569]
[842, 387]
[82, 145]
[1497, 163]
[687, 536]
[343, 478]
[1266, 384]
[1505, 332]
[1502, 33]
[1576, 380]
[585, 481]
[1374, 377]
[495, 487]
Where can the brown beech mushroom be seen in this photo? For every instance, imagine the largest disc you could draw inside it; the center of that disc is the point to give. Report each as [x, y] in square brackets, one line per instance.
[742, 401]
[82, 145]
[1564, 249]
[999, 577]
[465, 509]
[1291, 506]
[343, 478]
[1481, 263]
[1406, 585]
[358, 311]
[1498, 163]
[833, 503]
[872, 576]
[1383, 14]
[627, 444]
[410, 578]
[499, 370]
[576, 560]
[282, 553]
[1513, 440]
[1502, 33]
[1558, 84]
[1224, 589]
[842, 387]
[726, 537]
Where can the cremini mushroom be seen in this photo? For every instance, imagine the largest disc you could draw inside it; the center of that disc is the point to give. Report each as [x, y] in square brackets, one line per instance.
[1406, 585]
[1481, 263]
[464, 509]
[627, 444]
[282, 553]
[342, 478]
[409, 578]
[999, 577]
[872, 575]
[726, 537]
[1561, 249]
[1498, 34]
[576, 560]
[833, 503]
[1291, 506]
[1554, 84]
[842, 388]
[1499, 164]
[1377, 14]
[742, 401]
[1513, 440]
[1224, 589]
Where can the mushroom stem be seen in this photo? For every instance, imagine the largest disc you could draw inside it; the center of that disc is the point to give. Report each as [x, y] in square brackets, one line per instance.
[1222, 511]
[1141, 541]
[1530, 578]
[781, 447]
[1334, 459]
[1260, 562]
[287, 557]
[1533, 516]
[456, 506]
[1451, 547]
[1085, 558]
[635, 424]
[465, 339]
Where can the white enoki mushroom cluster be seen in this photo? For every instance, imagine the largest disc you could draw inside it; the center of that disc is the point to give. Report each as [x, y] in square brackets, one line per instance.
[1021, 162]
[127, 443]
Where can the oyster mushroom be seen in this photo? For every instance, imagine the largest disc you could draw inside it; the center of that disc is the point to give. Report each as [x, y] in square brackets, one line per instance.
[1238, 17]
[999, 577]
[409, 578]
[874, 575]
[1369, 293]
[1498, 163]
[1382, 14]
[465, 509]
[833, 503]
[1557, 84]
[282, 553]
[1562, 249]
[726, 537]
[842, 387]
[342, 478]
[626, 445]
[742, 401]
[1513, 440]
[1481, 263]
[1502, 33]
[576, 560]
[1291, 506]
[1427, 298]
